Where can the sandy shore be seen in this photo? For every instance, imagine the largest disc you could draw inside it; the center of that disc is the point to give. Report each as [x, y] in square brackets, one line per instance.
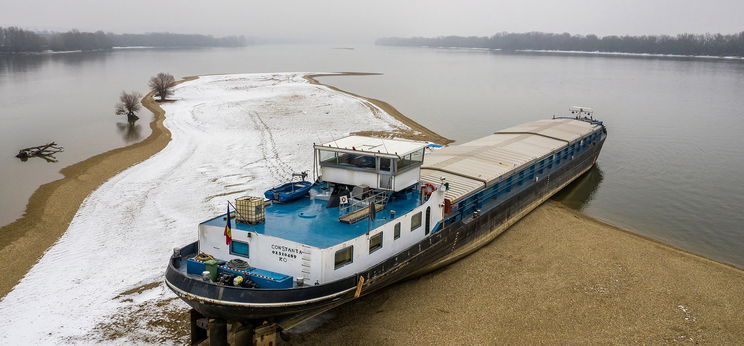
[556, 277]
[52, 206]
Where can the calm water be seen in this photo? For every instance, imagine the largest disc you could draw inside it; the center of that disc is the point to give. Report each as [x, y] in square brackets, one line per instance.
[671, 168]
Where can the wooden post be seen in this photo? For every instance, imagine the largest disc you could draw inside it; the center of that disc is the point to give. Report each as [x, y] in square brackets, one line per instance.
[358, 292]
[198, 331]
[217, 332]
[242, 334]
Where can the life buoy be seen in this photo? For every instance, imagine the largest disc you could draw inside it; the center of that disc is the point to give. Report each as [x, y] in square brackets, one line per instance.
[427, 189]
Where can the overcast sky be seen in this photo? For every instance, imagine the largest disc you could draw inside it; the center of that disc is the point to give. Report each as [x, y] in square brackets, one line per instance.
[357, 21]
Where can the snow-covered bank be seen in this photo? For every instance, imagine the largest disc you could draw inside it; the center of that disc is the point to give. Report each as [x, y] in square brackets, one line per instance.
[592, 53]
[232, 135]
[650, 55]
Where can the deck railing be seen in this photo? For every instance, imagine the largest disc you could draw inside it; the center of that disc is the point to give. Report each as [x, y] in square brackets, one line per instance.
[376, 197]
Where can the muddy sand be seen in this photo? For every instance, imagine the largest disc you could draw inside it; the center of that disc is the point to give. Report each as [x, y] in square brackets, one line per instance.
[556, 277]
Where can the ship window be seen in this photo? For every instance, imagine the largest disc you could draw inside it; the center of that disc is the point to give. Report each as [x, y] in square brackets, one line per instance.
[396, 231]
[344, 257]
[239, 248]
[357, 161]
[418, 156]
[416, 221]
[328, 157]
[412, 159]
[375, 242]
[385, 164]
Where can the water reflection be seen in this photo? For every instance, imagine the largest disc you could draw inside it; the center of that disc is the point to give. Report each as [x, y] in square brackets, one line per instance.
[581, 191]
[22, 63]
[129, 131]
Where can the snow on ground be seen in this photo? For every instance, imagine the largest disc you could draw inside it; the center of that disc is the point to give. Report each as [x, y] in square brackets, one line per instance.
[233, 135]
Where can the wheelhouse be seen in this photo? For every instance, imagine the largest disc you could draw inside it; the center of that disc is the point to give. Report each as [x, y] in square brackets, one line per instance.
[383, 164]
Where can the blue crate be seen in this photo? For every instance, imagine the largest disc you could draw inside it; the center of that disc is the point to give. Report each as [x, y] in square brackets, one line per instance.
[195, 267]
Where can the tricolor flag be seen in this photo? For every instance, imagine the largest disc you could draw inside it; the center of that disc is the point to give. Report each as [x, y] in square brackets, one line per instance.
[228, 228]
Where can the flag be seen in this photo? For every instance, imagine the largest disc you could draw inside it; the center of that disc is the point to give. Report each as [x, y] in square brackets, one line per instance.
[372, 211]
[228, 228]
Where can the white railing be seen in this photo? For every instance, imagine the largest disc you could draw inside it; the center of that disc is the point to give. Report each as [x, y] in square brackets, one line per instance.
[377, 197]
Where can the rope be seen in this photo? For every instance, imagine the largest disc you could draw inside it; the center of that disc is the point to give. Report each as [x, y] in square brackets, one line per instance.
[201, 257]
[238, 264]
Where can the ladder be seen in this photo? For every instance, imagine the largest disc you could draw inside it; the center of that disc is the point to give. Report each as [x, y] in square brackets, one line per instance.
[306, 256]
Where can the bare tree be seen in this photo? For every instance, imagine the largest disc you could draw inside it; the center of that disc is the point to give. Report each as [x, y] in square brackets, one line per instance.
[162, 85]
[129, 104]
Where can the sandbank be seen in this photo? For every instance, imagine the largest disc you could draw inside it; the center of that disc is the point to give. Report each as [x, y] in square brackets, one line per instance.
[53, 205]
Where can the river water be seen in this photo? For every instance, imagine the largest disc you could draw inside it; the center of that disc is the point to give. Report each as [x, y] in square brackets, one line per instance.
[671, 169]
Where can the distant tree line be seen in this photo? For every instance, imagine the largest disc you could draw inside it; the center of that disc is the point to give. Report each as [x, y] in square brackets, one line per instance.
[683, 44]
[17, 40]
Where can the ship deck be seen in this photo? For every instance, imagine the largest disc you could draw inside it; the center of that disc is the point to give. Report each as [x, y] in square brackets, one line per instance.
[308, 221]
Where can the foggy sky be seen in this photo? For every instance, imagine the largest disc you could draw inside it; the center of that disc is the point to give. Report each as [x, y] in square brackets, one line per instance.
[357, 21]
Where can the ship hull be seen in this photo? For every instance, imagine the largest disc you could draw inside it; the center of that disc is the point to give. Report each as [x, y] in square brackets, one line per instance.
[445, 246]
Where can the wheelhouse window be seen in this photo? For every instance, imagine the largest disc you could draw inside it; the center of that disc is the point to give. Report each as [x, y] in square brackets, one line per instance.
[357, 161]
[375, 242]
[416, 221]
[396, 231]
[328, 157]
[386, 164]
[343, 257]
[346, 160]
[239, 248]
[411, 160]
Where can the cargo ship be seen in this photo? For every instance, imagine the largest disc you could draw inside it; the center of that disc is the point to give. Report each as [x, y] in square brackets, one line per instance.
[377, 211]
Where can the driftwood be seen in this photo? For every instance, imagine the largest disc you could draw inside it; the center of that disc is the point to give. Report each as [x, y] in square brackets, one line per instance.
[45, 151]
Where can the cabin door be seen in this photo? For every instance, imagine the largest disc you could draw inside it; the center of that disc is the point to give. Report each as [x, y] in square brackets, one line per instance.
[386, 181]
[427, 222]
[385, 172]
